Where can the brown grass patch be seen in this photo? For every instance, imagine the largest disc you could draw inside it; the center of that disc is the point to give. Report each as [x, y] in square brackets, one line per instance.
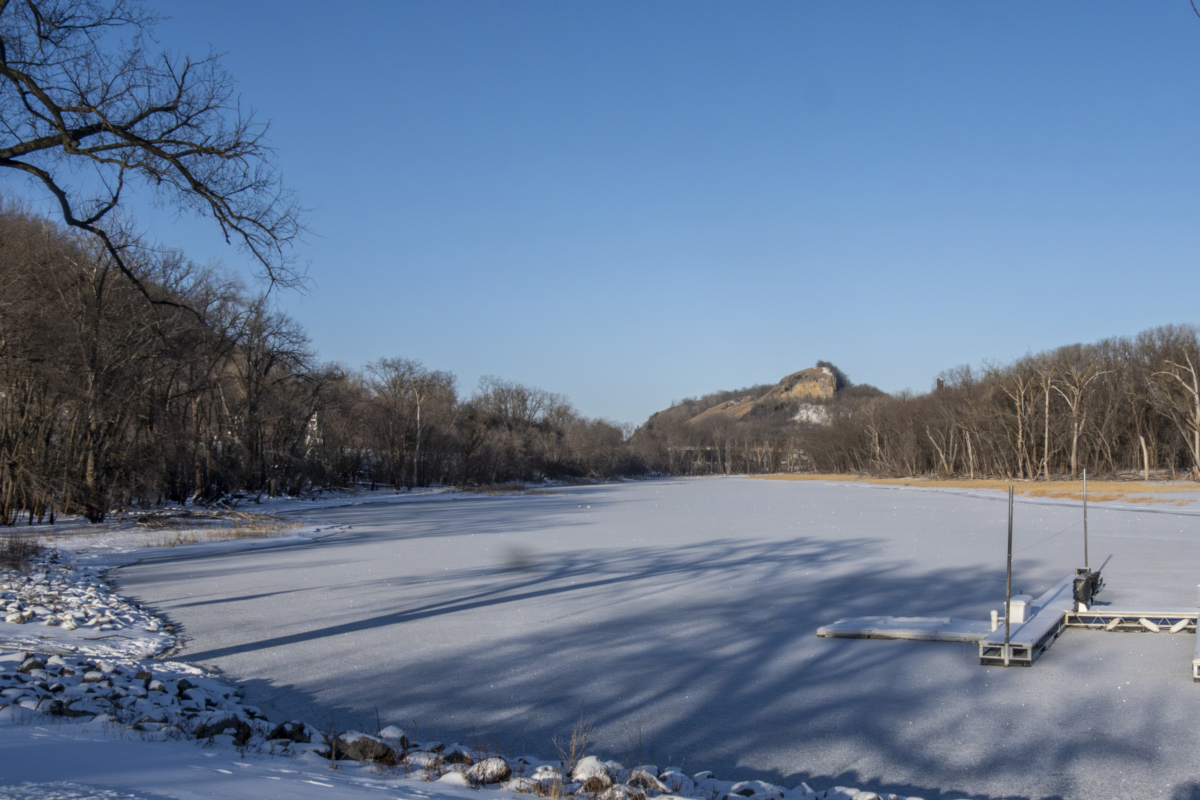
[18, 550]
[196, 528]
[1098, 491]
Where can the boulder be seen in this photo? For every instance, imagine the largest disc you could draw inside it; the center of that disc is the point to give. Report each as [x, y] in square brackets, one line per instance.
[57, 708]
[641, 779]
[30, 664]
[424, 759]
[294, 731]
[358, 746]
[522, 786]
[236, 727]
[457, 755]
[592, 774]
[396, 736]
[455, 779]
[678, 783]
[622, 791]
[489, 770]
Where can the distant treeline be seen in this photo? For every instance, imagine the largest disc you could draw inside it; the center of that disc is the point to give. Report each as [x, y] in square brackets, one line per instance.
[189, 389]
[1119, 405]
[109, 400]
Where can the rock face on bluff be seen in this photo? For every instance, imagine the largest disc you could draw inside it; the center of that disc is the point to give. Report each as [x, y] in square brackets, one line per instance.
[812, 384]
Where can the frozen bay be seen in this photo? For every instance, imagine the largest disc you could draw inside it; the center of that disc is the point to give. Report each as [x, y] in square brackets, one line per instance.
[680, 617]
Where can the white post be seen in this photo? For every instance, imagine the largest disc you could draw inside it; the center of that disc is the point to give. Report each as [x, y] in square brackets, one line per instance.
[1008, 581]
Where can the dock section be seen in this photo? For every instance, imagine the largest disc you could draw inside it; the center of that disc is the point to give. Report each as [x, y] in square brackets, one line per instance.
[1028, 640]
[919, 629]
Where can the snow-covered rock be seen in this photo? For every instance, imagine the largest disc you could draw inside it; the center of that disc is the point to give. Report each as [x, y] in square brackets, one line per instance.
[455, 779]
[490, 770]
[358, 746]
[592, 773]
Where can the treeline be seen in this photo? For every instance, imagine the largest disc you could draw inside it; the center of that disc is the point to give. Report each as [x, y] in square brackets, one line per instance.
[1121, 405]
[189, 389]
[183, 387]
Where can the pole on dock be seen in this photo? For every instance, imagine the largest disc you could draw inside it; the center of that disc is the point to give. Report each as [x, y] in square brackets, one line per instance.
[1085, 542]
[1008, 581]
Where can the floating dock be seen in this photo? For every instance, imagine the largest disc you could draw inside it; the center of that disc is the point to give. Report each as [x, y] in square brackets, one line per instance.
[1049, 617]
[920, 629]
[1029, 639]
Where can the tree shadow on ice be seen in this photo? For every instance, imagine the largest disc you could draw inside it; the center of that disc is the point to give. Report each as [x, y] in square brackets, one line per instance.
[708, 651]
[761, 695]
[606, 577]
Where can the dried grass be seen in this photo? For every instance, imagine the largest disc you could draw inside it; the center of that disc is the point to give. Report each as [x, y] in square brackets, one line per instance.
[1098, 491]
[17, 550]
[215, 528]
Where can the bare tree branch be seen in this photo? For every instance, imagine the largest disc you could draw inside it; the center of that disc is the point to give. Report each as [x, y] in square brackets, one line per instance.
[78, 88]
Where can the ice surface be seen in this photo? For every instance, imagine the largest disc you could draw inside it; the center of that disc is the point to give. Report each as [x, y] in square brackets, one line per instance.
[681, 617]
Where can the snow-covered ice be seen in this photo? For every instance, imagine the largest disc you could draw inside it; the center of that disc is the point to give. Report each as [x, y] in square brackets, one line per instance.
[680, 617]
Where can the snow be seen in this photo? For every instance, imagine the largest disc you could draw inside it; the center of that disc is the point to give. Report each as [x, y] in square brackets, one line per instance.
[679, 617]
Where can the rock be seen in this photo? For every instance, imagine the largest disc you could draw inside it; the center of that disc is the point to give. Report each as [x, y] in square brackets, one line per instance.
[424, 759]
[678, 783]
[756, 788]
[358, 746]
[522, 786]
[59, 708]
[92, 676]
[234, 726]
[457, 755]
[294, 731]
[30, 664]
[592, 774]
[455, 779]
[490, 770]
[641, 779]
[142, 674]
[156, 686]
[396, 736]
[622, 791]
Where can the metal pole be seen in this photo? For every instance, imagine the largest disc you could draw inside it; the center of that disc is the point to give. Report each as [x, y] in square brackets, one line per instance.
[1085, 542]
[1008, 581]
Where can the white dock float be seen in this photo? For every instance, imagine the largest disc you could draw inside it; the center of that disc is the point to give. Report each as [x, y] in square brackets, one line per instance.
[920, 629]
[1028, 640]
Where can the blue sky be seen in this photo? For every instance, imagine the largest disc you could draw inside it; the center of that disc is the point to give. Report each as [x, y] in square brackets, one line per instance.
[634, 202]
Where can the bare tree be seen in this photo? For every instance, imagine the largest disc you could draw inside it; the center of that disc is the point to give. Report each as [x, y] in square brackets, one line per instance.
[80, 90]
[1176, 389]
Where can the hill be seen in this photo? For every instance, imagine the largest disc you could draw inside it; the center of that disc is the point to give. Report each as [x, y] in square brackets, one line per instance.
[814, 385]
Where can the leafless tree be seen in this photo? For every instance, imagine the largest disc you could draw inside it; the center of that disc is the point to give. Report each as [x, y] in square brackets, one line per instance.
[81, 92]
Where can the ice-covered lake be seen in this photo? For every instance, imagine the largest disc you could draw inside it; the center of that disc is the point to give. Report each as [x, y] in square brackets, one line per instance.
[679, 617]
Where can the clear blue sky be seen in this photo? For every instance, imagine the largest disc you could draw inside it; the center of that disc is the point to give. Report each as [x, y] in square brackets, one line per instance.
[634, 202]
